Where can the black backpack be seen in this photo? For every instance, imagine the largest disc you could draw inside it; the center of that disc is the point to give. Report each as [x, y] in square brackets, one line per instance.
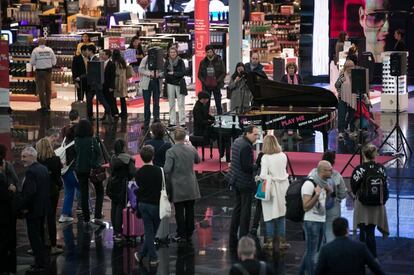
[374, 187]
[294, 202]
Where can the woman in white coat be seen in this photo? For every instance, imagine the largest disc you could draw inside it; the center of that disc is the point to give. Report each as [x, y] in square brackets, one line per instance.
[273, 169]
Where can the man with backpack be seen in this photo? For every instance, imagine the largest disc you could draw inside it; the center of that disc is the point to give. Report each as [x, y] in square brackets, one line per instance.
[313, 199]
[369, 185]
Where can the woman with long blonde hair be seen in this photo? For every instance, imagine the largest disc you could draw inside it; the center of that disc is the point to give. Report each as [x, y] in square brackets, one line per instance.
[47, 157]
[273, 169]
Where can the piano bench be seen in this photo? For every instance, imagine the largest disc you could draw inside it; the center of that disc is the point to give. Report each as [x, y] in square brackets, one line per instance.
[200, 141]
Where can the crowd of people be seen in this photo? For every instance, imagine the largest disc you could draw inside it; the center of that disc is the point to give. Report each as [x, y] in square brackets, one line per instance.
[172, 165]
[321, 193]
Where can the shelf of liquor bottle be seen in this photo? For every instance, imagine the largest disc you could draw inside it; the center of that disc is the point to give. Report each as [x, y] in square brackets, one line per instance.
[288, 42]
[283, 26]
[28, 97]
[25, 59]
[264, 49]
[22, 78]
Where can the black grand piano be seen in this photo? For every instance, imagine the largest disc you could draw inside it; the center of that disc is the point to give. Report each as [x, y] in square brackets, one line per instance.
[284, 106]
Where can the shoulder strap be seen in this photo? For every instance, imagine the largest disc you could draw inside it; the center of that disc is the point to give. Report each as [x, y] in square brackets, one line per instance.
[163, 178]
[262, 268]
[241, 269]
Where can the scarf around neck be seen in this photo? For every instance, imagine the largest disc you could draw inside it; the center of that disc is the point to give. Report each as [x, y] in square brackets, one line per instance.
[173, 62]
[295, 79]
[322, 183]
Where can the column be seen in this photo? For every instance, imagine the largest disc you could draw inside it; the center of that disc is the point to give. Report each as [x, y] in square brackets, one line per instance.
[235, 33]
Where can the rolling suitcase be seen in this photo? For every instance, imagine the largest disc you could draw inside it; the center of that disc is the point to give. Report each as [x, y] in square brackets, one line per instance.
[132, 227]
[79, 106]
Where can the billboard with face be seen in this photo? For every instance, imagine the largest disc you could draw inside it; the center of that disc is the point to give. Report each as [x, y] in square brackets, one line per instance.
[373, 23]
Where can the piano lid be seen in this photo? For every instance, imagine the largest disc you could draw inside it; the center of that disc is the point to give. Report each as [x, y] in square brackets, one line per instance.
[271, 93]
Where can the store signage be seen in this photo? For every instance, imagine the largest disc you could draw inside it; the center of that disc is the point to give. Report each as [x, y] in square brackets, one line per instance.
[130, 55]
[4, 74]
[202, 35]
[113, 43]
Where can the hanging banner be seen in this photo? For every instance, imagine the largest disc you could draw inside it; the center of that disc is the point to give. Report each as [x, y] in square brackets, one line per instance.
[4, 74]
[202, 35]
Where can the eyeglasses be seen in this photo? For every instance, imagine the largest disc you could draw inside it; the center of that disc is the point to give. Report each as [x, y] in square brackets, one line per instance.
[376, 19]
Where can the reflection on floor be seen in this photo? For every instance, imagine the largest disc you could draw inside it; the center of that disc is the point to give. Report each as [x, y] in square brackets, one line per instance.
[95, 253]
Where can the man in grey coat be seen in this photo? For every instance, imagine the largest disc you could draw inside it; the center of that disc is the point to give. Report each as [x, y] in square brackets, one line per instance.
[182, 183]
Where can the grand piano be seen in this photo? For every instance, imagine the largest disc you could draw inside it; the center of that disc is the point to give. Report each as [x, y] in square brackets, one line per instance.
[284, 106]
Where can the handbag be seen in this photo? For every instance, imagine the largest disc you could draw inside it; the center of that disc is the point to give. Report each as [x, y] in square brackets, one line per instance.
[165, 206]
[97, 174]
[183, 87]
[61, 153]
[263, 190]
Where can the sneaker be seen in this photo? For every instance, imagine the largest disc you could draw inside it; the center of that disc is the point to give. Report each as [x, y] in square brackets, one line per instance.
[138, 258]
[55, 251]
[118, 238]
[223, 159]
[341, 136]
[99, 222]
[154, 262]
[178, 239]
[63, 219]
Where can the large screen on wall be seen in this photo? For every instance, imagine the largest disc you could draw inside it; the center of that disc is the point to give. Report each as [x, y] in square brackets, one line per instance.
[372, 23]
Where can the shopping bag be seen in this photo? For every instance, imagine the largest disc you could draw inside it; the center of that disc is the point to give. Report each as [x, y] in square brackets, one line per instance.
[165, 206]
[132, 197]
[263, 190]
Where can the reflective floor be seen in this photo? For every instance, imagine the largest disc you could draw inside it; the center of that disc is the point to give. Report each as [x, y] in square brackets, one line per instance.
[95, 253]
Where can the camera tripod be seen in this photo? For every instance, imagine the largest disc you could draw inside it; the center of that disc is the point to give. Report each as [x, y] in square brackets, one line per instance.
[397, 129]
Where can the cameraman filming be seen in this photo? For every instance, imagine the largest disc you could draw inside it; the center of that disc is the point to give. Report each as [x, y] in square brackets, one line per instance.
[238, 91]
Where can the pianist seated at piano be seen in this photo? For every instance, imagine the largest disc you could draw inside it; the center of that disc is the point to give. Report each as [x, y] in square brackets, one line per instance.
[240, 93]
[202, 119]
[291, 77]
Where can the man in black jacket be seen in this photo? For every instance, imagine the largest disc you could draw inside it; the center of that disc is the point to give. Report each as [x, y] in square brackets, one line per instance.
[242, 181]
[345, 256]
[255, 66]
[211, 74]
[79, 73]
[33, 202]
[93, 89]
[109, 82]
[202, 118]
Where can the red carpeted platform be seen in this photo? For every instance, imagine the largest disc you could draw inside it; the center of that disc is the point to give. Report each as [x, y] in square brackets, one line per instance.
[208, 165]
[302, 162]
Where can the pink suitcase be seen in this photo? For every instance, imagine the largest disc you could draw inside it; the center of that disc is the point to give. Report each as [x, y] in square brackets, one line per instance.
[132, 227]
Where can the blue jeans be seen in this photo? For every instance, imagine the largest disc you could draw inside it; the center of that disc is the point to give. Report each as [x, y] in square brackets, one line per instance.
[70, 184]
[151, 217]
[281, 227]
[154, 87]
[331, 215]
[342, 111]
[313, 237]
